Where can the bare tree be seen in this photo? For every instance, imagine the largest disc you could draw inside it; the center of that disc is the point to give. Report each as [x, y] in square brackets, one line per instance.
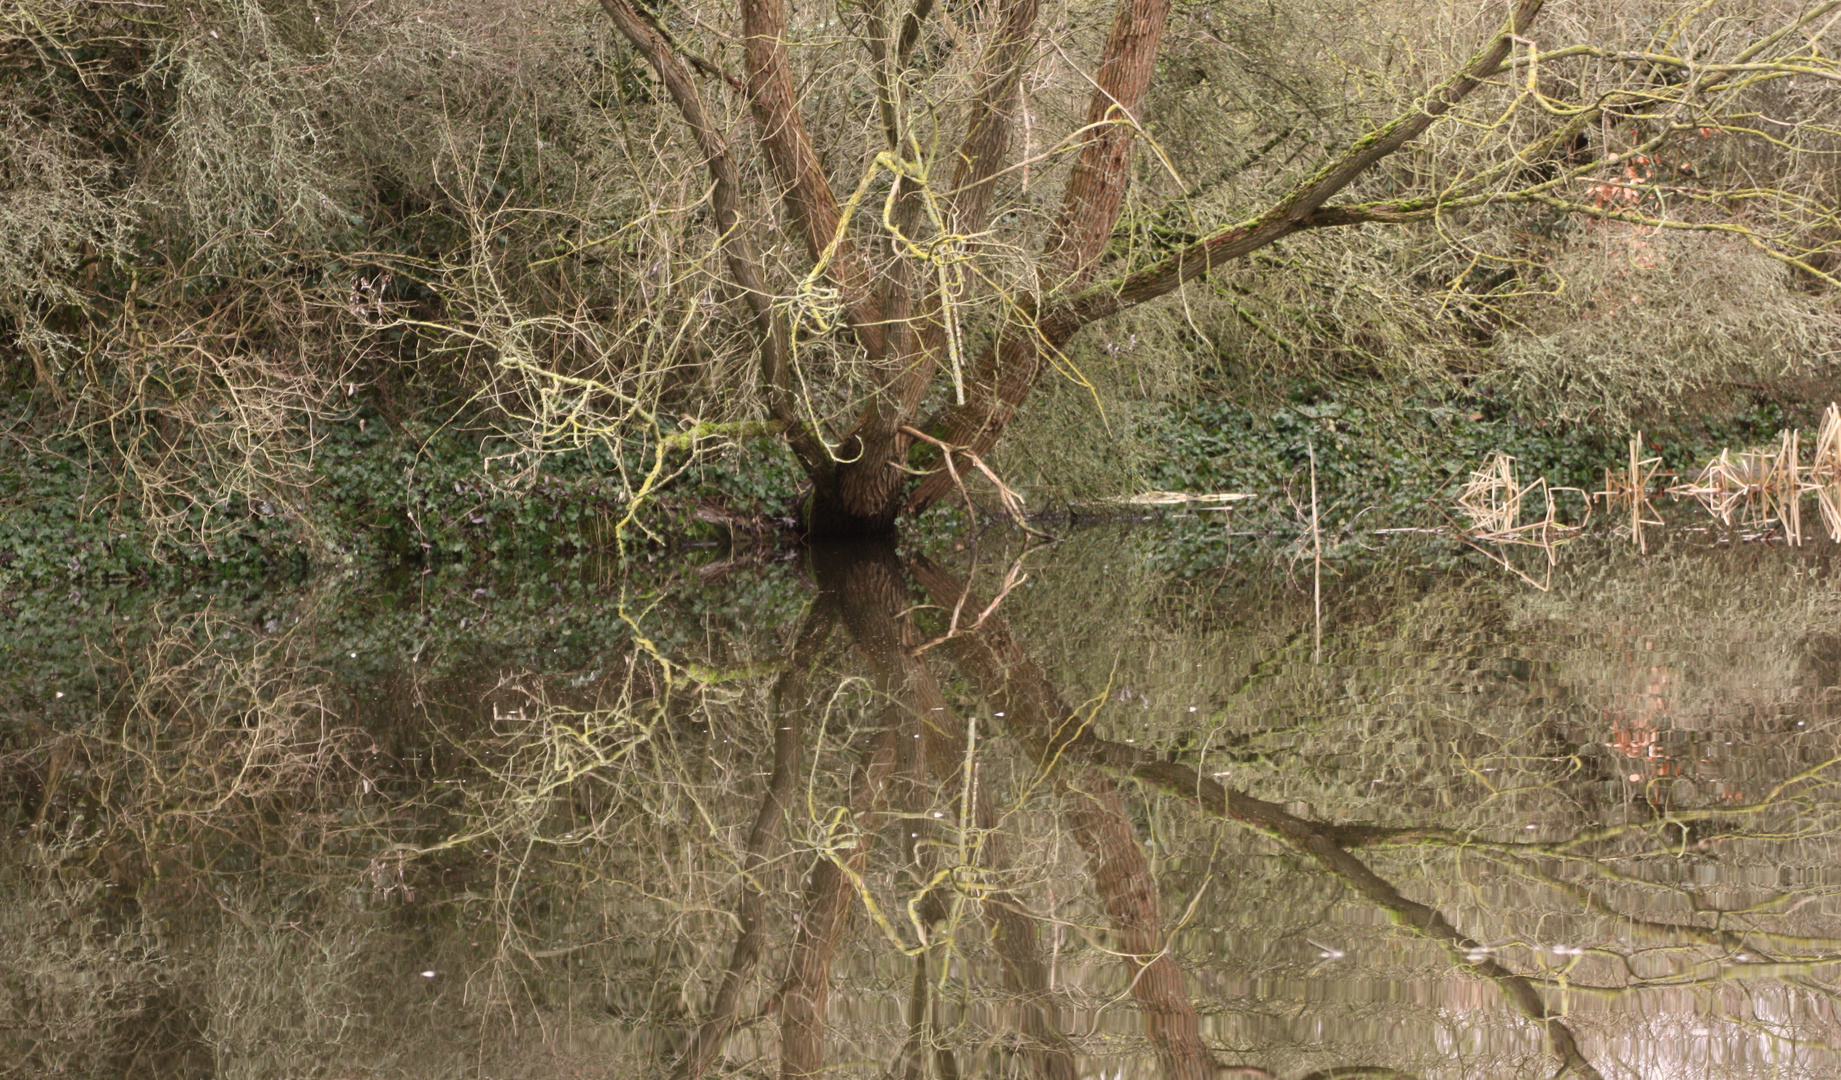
[898, 291]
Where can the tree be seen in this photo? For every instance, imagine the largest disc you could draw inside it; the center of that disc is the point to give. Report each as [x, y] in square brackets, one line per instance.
[934, 276]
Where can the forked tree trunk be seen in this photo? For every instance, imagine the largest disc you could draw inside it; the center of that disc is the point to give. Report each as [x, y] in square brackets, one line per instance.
[895, 310]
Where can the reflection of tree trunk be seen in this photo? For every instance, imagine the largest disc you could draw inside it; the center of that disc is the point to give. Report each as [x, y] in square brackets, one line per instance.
[856, 586]
[909, 1066]
[787, 715]
[826, 907]
[922, 1011]
[1123, 877]
[869, 588]
[807, 989]
[1120, 871]
[867, 585]
[1047, 1052]
[1052, 732]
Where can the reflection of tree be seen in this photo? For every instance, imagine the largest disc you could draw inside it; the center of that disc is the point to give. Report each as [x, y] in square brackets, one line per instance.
[769, 822]
[606, 845]
[875, 604]
[916, 744]
[1052, 732]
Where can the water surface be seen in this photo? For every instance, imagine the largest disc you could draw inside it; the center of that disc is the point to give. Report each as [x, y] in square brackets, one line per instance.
[863, 813]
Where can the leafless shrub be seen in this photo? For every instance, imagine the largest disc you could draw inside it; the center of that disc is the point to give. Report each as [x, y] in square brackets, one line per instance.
[1640, 319]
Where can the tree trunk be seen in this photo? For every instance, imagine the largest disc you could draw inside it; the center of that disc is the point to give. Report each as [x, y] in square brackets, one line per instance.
[860, 499]
[897, 312]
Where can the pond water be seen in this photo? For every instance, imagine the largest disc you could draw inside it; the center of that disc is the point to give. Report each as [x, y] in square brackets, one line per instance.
[861, 812]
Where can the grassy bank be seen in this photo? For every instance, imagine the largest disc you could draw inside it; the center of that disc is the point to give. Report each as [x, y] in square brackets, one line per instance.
[418, 492]
[421, 492]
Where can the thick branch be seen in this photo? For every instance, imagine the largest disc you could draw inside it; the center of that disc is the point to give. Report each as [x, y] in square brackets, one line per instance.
[770, 330]
[1009, 369]
[915, 345]
[808, 195]
[1096, 186]
[1294, 211]
[992, 119]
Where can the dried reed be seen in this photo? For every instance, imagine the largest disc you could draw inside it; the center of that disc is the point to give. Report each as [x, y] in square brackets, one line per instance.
[1629, 487]
[1765, 487]
[1493, 498]
[1825, 471]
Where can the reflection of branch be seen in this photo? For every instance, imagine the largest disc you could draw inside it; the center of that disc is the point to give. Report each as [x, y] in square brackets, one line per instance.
[1013, 936]
[1050, 730]
[1047, 1049]
[1306, 837]
[922, 1012]
[1123, 878]
[1668, 933]
[868, 588]
[1012, 579]
[786, 716]
[1120, 871]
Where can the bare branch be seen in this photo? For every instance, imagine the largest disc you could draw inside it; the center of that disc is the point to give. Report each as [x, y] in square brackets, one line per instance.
[772, 336]
[1009, 369]
[1294, 210]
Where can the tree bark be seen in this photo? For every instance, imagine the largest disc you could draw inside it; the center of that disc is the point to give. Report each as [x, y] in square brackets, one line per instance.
[805, 190]
[1009, 369]
[1096, 187]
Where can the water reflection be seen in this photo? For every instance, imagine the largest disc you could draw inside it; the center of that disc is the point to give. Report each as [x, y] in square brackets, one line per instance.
[867, 814]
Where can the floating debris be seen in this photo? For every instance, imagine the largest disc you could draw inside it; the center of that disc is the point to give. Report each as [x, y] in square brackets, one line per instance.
[1214, 501]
